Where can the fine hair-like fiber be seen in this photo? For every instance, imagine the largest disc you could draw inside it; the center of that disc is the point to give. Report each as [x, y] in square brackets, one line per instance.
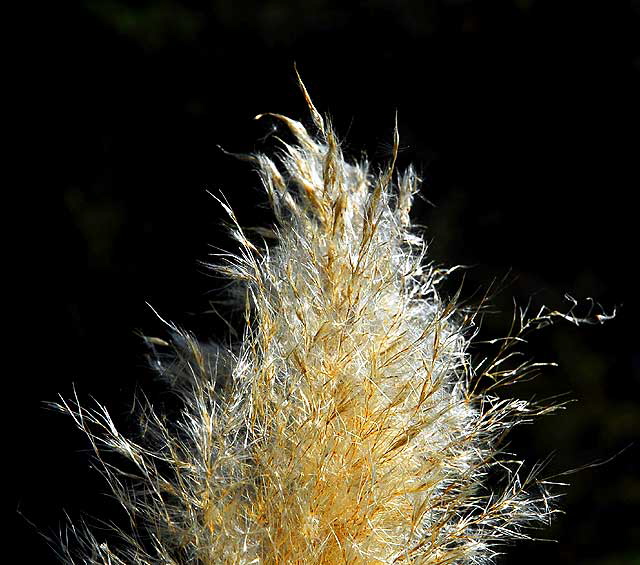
[348, 425]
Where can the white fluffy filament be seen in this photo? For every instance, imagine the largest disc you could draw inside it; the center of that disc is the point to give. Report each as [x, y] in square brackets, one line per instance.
[348, 426]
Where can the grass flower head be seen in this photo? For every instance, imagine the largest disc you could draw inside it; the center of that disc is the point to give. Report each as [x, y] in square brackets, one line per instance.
[348, 425]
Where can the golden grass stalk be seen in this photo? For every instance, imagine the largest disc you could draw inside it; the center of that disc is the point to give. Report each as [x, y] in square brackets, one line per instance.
[348, 426]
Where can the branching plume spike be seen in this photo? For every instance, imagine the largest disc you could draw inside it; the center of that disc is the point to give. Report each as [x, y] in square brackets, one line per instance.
[348, 425]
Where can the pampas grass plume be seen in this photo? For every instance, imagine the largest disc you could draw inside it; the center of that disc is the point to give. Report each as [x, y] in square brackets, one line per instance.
[348, 425]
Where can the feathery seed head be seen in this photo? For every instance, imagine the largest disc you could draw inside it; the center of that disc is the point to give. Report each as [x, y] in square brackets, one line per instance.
[348, 426]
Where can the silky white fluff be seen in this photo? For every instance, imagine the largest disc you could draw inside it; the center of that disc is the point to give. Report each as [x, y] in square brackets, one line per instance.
[348, 425]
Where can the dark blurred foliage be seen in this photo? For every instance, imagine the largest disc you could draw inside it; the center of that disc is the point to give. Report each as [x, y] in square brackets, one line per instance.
[519, 114]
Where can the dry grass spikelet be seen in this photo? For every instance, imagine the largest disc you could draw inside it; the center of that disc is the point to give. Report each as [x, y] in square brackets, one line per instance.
[348, 426]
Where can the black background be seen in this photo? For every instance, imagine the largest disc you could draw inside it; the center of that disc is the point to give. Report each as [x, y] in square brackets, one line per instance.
[518, 114]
